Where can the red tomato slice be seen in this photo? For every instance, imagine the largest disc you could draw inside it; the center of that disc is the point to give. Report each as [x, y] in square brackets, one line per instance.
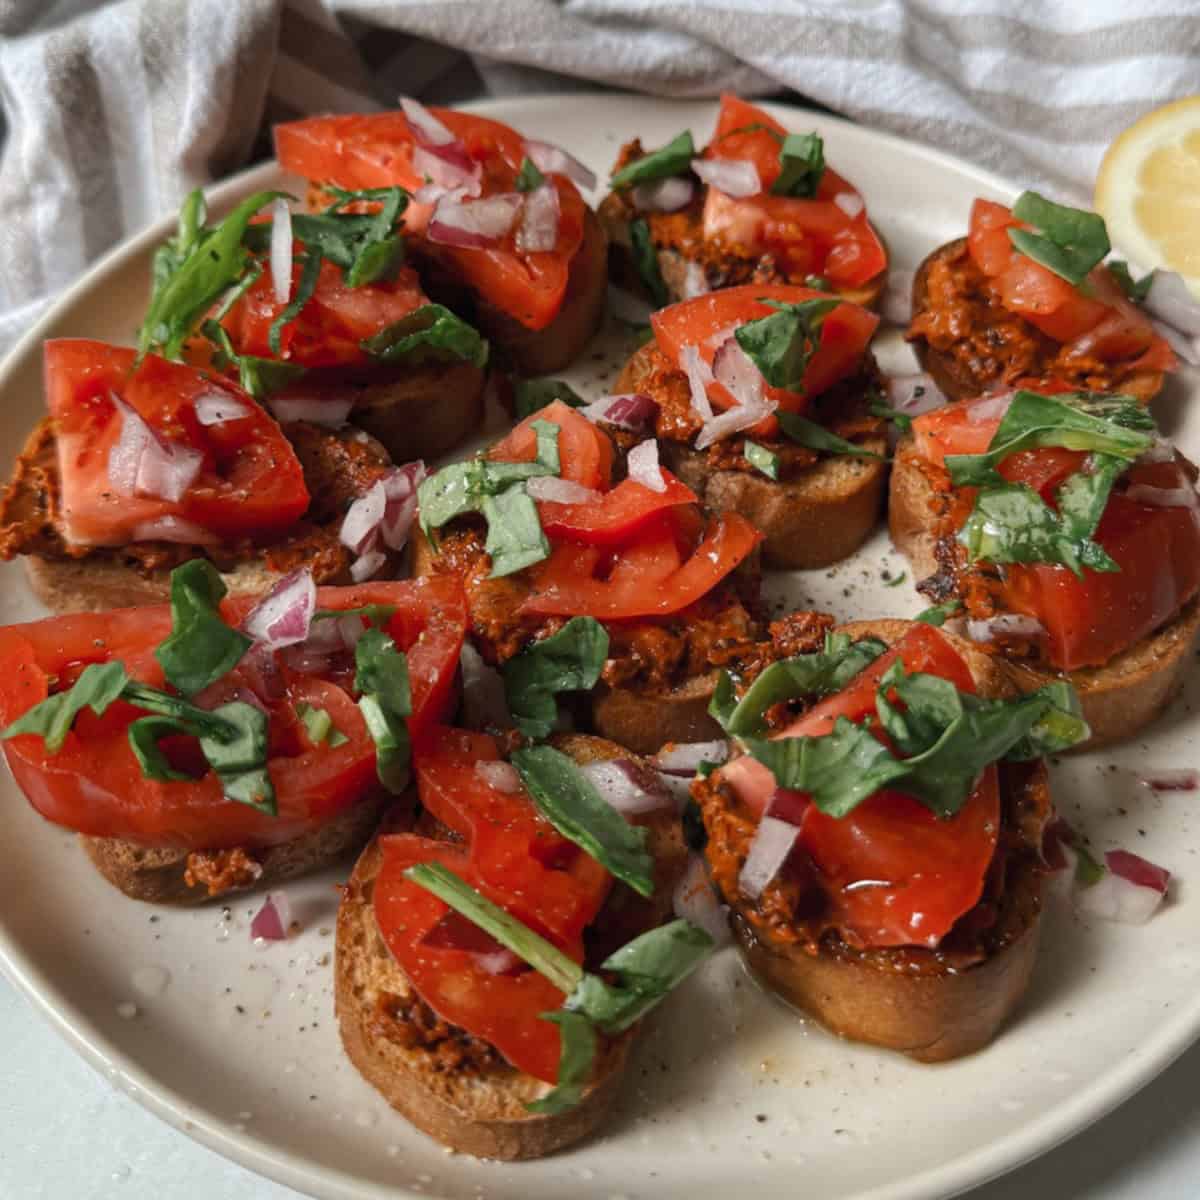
[647, 579]
[845, 333]
[94, 785]
[585, 452]
[896, 874]
[250, 485]
[375, 150]
[616, 516]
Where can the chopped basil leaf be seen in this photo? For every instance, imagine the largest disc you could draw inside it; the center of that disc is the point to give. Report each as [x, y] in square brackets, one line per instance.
[645, 258]
[96, 688]
[310, 271]
[532, 395]
[567, 661]
[239, 755]
[1087, 869]
[571, 803]
[258, 376]
[201, 648]
[801, 165]
[144, 735]
[373, 614]
[578, 1053]
[782, 344]
[816, 437]
[896, 580]
[675, 158]
[381, 678]
[937, 614]
[877, 408]
[431, 333]
[761, 458]
[319, 726]
[819, 674]
[514, 538]
[529, 177]
[1135, 289]
[543, 956]
[1071, 241]
[818, 283]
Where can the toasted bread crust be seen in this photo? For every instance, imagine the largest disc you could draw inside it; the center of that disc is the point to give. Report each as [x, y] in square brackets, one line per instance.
[1118, 699]
[957, 382]
[644, 721]
[156, 874]
[480, 1112]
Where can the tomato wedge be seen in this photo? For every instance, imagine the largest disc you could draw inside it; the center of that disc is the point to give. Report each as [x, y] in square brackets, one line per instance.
[616, 516]
[896, 874]
[514, 857]
[701, 321]
[94, 785]
[648, 578]
[250, 483]
[807, 236]
[376, 150]
[585, 452]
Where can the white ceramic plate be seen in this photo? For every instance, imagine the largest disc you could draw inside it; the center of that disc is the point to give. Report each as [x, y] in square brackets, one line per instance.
[237, 1046]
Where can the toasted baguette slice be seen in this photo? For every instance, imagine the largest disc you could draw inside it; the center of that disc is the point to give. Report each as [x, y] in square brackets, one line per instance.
[959, 383]
[916, 1002]
[814, 520]
[1118, 699]
[158, 875]
[482, 1111]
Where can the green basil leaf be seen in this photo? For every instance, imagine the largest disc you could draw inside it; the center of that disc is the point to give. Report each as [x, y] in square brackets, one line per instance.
[569, 801]
[782, 345]
[379, 260]
[543, 956]
[808, 433]
[818, 283]
[309, 274]
[239, 755]
[262, 376]
[1087, 869]
[902, 421]
[567, 661]
[144, 735]
[201, 648]
[575, 1062]
[645, 258]
[319, 726]
[373, 614]
[514, 538]
[761, 458]
[96, 688]
[896, 580]
[1071, 241]
[381, 678]
[365, 245]
[529, 177]
[532, 395]
[431, 333]
[801, 163]
[937, 614]
[1059, 728]
[675, 158]
[1135, 289]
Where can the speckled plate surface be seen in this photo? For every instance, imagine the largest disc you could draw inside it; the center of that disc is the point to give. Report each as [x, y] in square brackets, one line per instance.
[237, 1046]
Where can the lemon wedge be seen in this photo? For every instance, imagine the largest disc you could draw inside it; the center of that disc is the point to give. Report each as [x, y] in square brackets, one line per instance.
[1148, 190]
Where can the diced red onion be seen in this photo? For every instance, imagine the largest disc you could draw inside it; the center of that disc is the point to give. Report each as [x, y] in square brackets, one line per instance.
[400, 492]
[630, 410]
[695, 281]
[1159, 497]
[484, 702]
[281, 251]
[736, 177]
[1137, 869]
[1179, 779]
[1004, 625]
[851, 203]
[363, 517]
[987, 408]
[141, 462]
[914, 394]
[499, 775]
[538, 231]
[896, 302]
[1170, 299]
[553, 160]
[449, 170]
[350, 629]
[175, 530]
[769, 849]
[644, 467]
[684, 758]
[367, 566]
[283, 616]
[455, 932]
[475, 224]
[306, 661]
[625, 306]
[733, 369]
[721, 336]
[273, 920]
[215, 408]
[679, 786]
[425, 125]
[551, 489]
[663, 195]
[319, 410]
[695, 900]
[699, 376]
[1117, 897]
[1186, 347]
[261, 671]
[618, 783]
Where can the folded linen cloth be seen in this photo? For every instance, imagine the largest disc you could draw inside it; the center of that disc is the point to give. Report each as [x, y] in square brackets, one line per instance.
[113, 111]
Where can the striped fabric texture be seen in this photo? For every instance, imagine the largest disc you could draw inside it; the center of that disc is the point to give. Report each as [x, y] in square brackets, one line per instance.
[113, 111]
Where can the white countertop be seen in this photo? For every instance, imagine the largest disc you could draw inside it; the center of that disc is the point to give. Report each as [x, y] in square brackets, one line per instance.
[68, 1134]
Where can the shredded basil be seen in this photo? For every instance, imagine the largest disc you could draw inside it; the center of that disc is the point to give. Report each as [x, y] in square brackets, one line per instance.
[782, 345]
[319, 726]
[675, 158]
[385, 700]
[801, 163]
[201, 647]
[877, 408]
[569, 660]
[96, 688]
[1071, 241]
[514, 538]
[257, 376]
[808, 433]
[761, 458]
[818, 283]
[1135, 289]
[576, 1059]
[896, 580]
[529, 177]
[532, 395]
[645, 258]
[431, 333]
[937, 614]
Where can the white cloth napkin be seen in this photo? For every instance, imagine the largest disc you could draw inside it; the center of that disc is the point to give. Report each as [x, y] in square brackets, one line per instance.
[115, 110]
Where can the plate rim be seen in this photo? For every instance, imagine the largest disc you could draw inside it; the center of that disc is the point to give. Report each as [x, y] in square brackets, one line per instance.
[968, 1170]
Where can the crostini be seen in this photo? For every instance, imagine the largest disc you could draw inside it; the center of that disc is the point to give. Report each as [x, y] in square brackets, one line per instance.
[1024, 299]
[757, 205]
[216, 744]
[877, 835]
[580, 582]
[764, 408]
[496, 221]
[468, 971]
[1070, 533]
